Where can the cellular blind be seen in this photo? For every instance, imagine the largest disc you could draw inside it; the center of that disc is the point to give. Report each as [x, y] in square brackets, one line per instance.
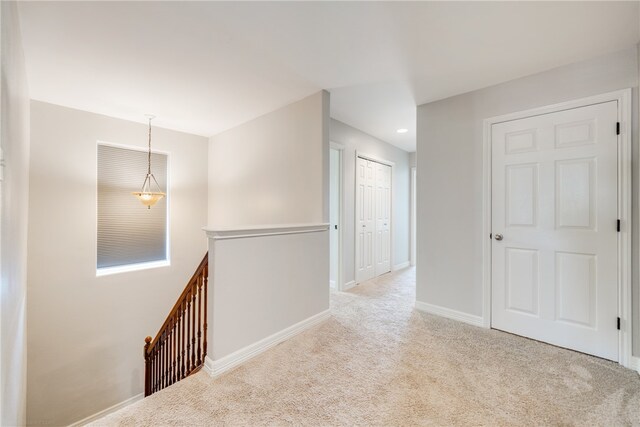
[128, 232]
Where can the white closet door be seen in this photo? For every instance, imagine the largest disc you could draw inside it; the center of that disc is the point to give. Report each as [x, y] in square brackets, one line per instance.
[383, 219]
[554, 214]
[365, 219]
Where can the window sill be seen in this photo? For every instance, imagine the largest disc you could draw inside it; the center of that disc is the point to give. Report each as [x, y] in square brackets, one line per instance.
[107, 271]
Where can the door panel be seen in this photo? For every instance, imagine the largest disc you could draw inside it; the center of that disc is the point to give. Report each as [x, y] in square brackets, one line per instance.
[365, 219]
[554, 201]
[383, 218]
[522, 280]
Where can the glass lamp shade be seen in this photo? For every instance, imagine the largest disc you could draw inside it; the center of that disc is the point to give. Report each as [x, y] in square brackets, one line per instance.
[149, 198]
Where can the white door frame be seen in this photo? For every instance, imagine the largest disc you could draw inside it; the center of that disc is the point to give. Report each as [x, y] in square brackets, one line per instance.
[340, 149]
[355, 189]
[623, 97]
[412, 227]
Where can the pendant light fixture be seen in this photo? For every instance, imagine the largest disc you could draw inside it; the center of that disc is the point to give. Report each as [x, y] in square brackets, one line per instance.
[147, 196]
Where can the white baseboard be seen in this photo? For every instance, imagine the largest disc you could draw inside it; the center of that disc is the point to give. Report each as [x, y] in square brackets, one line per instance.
[635, 363]
[349, 285]
[471, 319]
[218, 367]
[401, 266]
[105, 412]
[332, 283]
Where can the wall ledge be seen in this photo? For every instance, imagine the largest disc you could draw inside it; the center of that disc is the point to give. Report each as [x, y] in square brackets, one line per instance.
[239, 232]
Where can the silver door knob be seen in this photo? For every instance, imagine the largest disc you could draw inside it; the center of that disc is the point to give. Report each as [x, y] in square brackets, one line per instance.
[498, 236]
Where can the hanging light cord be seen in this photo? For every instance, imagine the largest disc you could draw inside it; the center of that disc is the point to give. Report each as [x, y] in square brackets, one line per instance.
[149, 158]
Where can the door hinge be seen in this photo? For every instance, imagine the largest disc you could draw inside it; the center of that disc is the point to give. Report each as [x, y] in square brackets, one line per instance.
[618, 128]
[618, 323]
[618, 226]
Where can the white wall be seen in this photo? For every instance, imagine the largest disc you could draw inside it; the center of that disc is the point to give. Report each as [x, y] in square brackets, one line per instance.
[263, 285]
[14, 124]
[450, 171]
[355, 140]
[86, 333]
[272, 170]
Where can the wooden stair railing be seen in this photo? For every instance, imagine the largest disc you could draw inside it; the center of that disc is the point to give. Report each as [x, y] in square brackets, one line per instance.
[180, 346]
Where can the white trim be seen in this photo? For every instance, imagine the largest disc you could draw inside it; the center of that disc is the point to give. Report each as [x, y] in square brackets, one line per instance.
[332, 284]
[106, 271]
[109, 410]
[374, 159]
[635, 363]
[625, 235]
[470, 319]
[401, 266]
[413, 197]
[623, 97]
[216, 368]
[349, 285]
[263, 230]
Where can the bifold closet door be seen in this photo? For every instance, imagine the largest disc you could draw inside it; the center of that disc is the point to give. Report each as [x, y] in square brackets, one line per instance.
[365, 219]
[373, 219]
[383, 219]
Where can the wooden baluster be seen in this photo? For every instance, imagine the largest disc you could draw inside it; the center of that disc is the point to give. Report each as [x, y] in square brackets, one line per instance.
[161, 360]
[169, 338]
[199, 320]
[179, 339]
[147, 367]
[155, 369]
[163, 352]
[182, 341]
[156, 356]
[165, 357]
[173, 351]
[205, 279]
[193, 327]
[159, 357]
[188, 362]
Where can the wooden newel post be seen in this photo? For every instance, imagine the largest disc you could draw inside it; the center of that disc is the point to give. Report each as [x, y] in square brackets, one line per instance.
[147, 367]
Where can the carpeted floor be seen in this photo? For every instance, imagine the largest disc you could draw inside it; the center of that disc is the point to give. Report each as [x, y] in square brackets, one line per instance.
[378, 361]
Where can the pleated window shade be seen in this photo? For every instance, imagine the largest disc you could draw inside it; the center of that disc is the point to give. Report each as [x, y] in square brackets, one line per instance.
[128, 232]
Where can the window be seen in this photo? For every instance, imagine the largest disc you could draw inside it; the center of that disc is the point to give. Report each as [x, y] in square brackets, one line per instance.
[130, 236]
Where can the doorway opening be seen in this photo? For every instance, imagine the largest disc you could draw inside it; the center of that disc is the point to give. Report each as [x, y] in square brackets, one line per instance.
[335, 216]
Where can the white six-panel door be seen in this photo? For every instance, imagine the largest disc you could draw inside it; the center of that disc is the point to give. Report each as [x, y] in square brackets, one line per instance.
[373, 219]
[383, 219]
[554, 217]
[365, 219]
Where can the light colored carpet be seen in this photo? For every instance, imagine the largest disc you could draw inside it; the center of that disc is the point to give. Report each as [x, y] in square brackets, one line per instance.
[378, 361]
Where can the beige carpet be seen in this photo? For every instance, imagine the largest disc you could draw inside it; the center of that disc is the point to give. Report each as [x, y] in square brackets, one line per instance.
[378, 361]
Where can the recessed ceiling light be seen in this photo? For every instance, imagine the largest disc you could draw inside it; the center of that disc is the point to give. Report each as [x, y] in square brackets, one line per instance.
[403, 130]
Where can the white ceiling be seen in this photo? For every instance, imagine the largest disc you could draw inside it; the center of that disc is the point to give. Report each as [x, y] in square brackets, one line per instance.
[204, 67]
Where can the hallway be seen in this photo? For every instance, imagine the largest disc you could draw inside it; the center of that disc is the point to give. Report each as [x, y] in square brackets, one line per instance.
[378, 361]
